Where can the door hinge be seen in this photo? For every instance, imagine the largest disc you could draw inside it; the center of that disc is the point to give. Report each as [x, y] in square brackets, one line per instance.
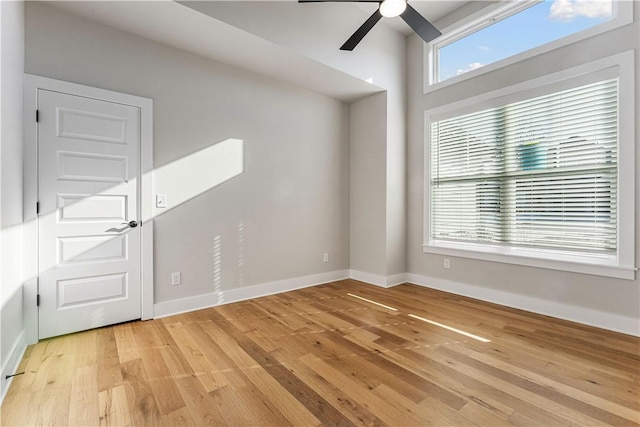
[37, 116]
[37, 208]
[38, 300]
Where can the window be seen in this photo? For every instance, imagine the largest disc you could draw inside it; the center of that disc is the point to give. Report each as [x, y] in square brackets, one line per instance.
[518, 27]
[535, 172]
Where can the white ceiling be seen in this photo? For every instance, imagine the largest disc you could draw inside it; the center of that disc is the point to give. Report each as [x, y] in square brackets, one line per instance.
[173, 24]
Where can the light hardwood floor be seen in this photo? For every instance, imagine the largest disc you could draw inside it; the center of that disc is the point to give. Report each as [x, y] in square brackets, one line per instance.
[320, 356]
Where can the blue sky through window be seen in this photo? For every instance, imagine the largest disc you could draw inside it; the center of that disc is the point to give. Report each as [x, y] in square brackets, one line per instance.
[545, 22]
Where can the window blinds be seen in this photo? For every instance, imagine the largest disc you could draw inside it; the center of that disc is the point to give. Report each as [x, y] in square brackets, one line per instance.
[539, 173]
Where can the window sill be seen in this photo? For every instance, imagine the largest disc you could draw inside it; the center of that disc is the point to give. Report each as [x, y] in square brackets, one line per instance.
[599, 265]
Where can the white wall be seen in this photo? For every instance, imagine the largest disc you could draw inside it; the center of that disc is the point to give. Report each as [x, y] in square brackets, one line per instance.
[11, 274]
[592, 299]
[273, 221]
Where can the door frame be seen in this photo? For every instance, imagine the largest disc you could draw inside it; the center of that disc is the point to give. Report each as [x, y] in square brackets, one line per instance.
[32, 84]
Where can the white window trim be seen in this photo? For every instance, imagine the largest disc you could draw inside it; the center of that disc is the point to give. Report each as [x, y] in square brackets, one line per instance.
[623, 15]
[621, 265]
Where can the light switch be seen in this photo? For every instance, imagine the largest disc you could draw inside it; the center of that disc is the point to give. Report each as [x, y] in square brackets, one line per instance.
[161, 200]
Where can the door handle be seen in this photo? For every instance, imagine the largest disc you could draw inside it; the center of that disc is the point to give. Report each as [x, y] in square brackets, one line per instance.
[130, 224]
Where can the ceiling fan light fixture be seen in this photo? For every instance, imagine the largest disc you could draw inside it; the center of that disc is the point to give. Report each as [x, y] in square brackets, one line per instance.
[392, 8]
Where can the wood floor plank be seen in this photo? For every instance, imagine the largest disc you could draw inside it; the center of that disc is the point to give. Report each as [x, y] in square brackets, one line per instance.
[483, 415]
[572, 392]
[375, 403]
[520, 344]
[327, 402]
[18, 408]
[108, 360]
[113, 408]
[300, 390]
[570, 374]
[318, 356]
[156, 371]
[406, 375]
[190, 351]
[295, 412]
[531, 399]
[204, 409]
[83, 402]
[125, 343]
[442, 375]
[54, 409]
[140, 395]
[567, 401]
[182, 417]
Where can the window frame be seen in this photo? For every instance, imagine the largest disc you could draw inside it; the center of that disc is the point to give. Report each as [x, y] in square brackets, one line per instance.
[622, 11]
[622, 264]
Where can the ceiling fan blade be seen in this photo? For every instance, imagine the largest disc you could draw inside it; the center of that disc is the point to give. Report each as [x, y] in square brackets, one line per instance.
[362, 31]
[420, 25]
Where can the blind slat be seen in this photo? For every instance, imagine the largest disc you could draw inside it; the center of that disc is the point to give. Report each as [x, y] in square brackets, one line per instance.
[536, 173]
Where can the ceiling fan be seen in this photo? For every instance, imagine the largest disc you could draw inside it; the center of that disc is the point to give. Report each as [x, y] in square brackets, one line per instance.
[388, 9]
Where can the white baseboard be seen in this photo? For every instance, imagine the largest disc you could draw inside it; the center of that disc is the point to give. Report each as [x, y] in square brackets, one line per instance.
[587, 316]
[600, 319]
[11, 365]
[375, 279]
[372, 279]
[198, 302]
[396, 279]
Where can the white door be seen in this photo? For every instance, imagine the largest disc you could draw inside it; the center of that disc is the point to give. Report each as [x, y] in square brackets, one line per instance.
[88, 185]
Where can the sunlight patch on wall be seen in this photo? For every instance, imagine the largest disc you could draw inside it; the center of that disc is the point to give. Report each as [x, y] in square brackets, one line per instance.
[182, 180]
[192, 175]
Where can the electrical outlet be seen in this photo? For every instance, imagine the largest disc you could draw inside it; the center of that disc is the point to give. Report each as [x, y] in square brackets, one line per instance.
[161, 201]
[176, 278]
[446, 263]
[325, 257]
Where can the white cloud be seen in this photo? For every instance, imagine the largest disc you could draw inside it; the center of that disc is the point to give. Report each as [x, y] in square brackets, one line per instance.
[470, 67]
[484, 48]
[567, 10]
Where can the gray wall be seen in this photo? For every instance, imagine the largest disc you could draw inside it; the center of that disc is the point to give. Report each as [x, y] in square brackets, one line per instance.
[378, 251]
[11, 274]
[368, 145]
[614, 296]
[275, 220]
